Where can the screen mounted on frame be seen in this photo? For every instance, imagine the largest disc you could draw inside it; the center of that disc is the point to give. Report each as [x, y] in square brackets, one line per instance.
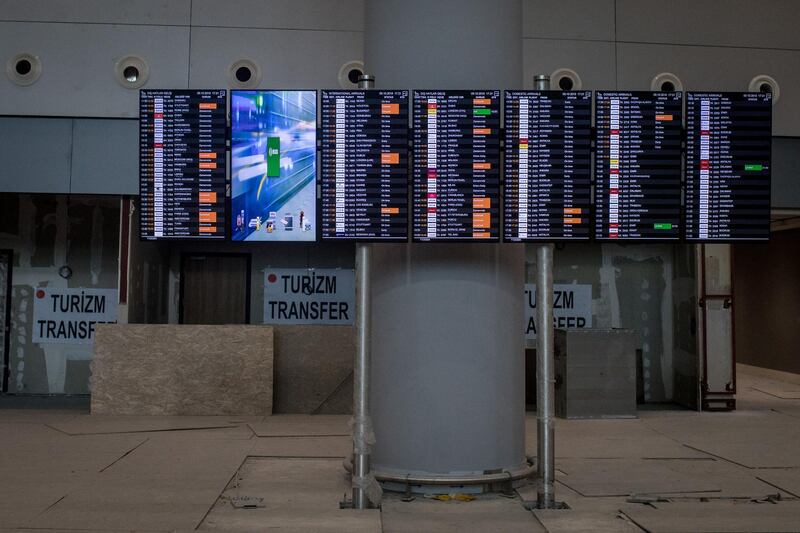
[274, 166]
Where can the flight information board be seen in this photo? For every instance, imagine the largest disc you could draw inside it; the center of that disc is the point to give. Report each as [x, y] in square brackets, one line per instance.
[364, 162]
[728, 160]
[548, 160]
[456, 175]
[638, 165]
[182, 164]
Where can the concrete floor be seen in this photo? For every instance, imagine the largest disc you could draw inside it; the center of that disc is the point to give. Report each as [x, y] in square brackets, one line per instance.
[67, 471]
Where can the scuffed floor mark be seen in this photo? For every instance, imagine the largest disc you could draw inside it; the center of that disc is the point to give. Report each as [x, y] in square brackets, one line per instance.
[121, 457]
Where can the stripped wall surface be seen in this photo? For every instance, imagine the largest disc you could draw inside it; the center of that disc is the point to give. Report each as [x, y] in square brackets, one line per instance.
[148, 277]
[766, 285]
[47, 232]
[645, 287]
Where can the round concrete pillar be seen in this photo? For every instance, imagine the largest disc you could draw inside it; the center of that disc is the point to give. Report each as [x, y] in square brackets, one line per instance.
[447, 389]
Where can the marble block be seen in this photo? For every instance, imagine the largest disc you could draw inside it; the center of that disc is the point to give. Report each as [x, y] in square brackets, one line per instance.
[169, 369]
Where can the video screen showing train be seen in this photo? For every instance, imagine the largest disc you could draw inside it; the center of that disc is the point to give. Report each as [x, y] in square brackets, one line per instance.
[273, 165]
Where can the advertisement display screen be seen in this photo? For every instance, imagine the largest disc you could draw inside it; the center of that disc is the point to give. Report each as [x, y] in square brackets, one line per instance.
[273, 165]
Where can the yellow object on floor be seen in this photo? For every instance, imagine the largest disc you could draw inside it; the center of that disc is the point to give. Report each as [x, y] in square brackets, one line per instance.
[448, 497]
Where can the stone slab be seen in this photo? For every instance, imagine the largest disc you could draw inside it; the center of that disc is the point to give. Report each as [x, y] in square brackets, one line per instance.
[164, 369]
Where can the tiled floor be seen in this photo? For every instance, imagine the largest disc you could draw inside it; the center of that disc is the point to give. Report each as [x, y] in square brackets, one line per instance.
[65, 470]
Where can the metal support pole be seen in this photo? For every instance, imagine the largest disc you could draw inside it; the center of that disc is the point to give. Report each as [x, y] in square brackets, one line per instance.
[545, 379]
[361, 364]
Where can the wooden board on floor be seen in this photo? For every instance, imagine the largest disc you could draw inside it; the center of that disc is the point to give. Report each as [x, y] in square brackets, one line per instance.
[609, 439]
[780, 392]
[102, 424]
[36, 416]
[334, 447]
[623, 477]
[755, 439]
[302, 426]
[716, 516]
[787, 480]
[299, 495]
[162, 485]
[574, 521]
[488, 512]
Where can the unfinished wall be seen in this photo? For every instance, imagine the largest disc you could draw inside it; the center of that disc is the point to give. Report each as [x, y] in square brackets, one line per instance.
[148, 276]
[313, 371]
[635, 287]
[264, 256]
[46, 232]
[313, 364]
[766, 288]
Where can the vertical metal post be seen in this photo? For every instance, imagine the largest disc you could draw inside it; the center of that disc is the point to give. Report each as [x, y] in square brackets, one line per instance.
[361, 364]
[545, 378]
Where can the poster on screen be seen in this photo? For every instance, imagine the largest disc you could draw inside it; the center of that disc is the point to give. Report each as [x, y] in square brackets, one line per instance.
[70, 316]
[322, 296]
[572, 307]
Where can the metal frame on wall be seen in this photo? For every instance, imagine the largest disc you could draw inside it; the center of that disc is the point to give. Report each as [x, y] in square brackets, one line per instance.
[716, 400]
[7, 325]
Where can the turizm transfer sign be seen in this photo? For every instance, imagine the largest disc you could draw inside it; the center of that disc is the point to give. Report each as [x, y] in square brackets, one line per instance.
[69, 316]
[309, 296]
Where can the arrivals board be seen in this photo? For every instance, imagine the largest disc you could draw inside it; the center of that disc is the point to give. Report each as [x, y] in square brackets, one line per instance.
[548, 160]
[274, 166]
[728, 166]
[182, 164]
[455, 169]
[364, 165]
[638, 165]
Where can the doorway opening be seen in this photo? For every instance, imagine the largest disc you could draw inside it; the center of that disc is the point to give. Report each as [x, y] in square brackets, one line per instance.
[215, 288]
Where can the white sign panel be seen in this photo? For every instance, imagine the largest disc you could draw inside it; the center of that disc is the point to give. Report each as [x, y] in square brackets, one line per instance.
[572, 307]
[69, 316]
[309, 296]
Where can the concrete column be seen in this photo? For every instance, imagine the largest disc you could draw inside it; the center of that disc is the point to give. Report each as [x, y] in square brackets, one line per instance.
[448, 368]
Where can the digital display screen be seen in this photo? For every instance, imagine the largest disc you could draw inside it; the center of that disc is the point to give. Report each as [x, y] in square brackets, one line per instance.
[637, 191]
[728, 166]
[456, 160]
[548, 166]
[182, 164]
[364, 165]
[273, 165]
